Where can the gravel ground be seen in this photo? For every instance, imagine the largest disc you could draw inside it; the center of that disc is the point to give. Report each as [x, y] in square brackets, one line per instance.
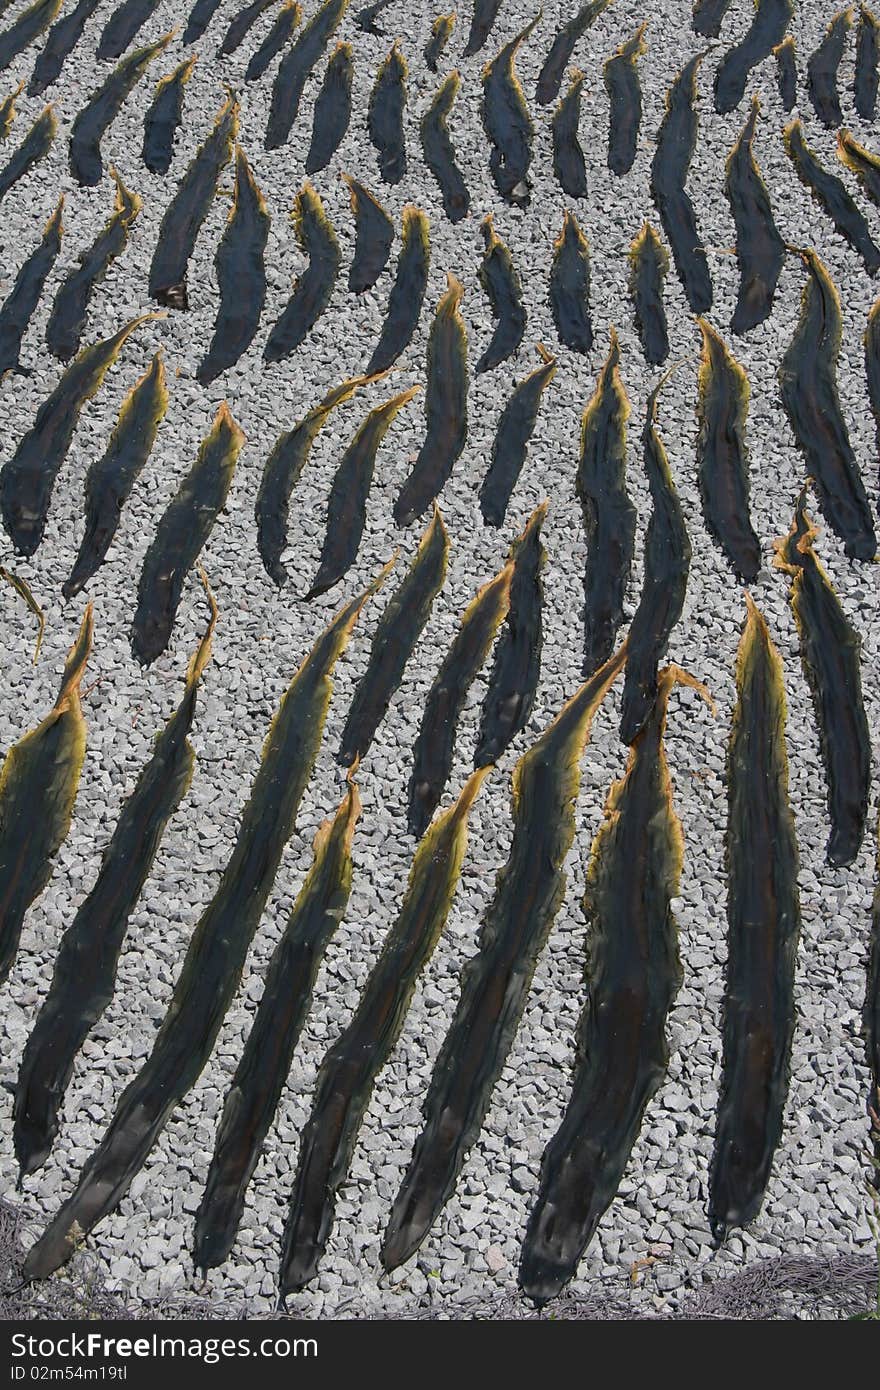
[816, 1199]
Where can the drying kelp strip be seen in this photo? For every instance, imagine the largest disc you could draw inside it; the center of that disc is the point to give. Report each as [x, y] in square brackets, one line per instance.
[122, 26]
[22, 588]
[831, 194]
[569, 164]
[786, 72]
[865, 81]
[28, 26]
[282, 470]
[676, 140]
[396, 635]
[199, 18]
[830, 655]
[407, 293]
[871, 1012]
[648, 268]
[385, 116]
[38, 784]
[441, 33]
[188, 209]
[633, 975]
[708, 16]
[332, 109]
[295, 67]
[101, 110]
[766, 31]
[872, 363]
[435, 744]
[763, 915]
[484, 15]
[23, 298]
[313, 289]
[723, 456]
[822, 69]
[283, 25]
[570, 286]
[164, 116]
[502, 286]
[446, 393]
[110, 479]
[624, 90]
[512, 440]
[347, 507]
[808, 386]
[68, 317]
[374, 233]
[495, 982]
[864, 164]
[760, 249]
[667, 565]
[27, 479]
[439, 151]
[7, 110]
[261, 1074]
[563, 46]
[215, 958]
[84, 977]
[180, 535]
[516, 668]
[241, 275]
[31, 150]
[507, 122]
[240, 25]
[64, 35]
[348, 1072]
[609, 515]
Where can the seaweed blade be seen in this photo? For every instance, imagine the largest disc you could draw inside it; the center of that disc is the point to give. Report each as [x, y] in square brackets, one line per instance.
[24, 296]
[407, 293]
[759, 247]
[498, 277]
[507, 122]
[241, 275]
[766, 32]
[722, 454]
[511, 440]
[676, 140]
[313, 289]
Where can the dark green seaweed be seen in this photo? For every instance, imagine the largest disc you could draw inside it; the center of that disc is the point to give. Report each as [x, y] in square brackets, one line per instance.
[676, 140]
[241, 275]
[864, 164]
[7, 110]
[64, 35]
[723, 456]
[313, 289]
[439, 152]
[625, 102]
[871, 1013]
[760, 249]
[822, 69]
[483, 18]
[516, 668]
[569, 164]
[609, 515]
[398, 630]
[872, 364]
[200, 17]
[261, 1074]
[215, 958]
[33, 148]
[283, 25]
[122, 26]
[365, 19]
[407, 293]
[441, 33]
[27, 26]
[649, 266]
[766, 31]
[38, 785]
[763, 916]
[495, 982]
[28, 478]
[511, 441]
[295, 67]
[240, 24]
[865, 81]
[830, 656]
[332, 109]
[68, 317]
[23, 298]
[570, 286]
[180, 225]
[446, 393]
[84, 976]
[111, 478]
[502, 286]
[708, 17]
[349, 1069]
[182, 531]
[786, 72]
[808, 385]
[164, 116]
[563, 46]
[374, 233]
[385, 116]
[507, 122]
[101, 110]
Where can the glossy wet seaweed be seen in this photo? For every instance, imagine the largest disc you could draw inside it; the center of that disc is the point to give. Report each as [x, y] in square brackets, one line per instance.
[822, 69]
[332, 109]
[110, 478]
[84, 975]
[786, 72]
[441, 33]
[101, 110]
[64, 35]
[395, 638]
[763, 915]
[439, 151]
[609, 515]
[648, 268]
[624, 90]
[23, 298]
[374, 233]
[570, 286]
[562, 48]
[216, 954]
[511, 440]
[861, 162]
[407, 293]
[240, 24]
[122, 26]
[262, 1071]
[385, 116]
[808, 386]
[507, 122]
[483, 17]
[708, 16]
[38, 785]
[295, 67]
[865, 81]
[313, 289]
[569, 164]
[495, 982]
[674, 150]
[241, 275]
[503, 289]
[766, 32]
[349, 1069]
[27, 26]
[723, 456]
[163, 117]
[760, 249]
[446, 393]
[33, 148]
[283, 25]
[67, 320]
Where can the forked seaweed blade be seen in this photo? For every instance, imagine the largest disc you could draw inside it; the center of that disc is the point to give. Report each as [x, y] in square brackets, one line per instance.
[648, 268]
[760, 249]
[110, 478]
[216, 954]
[27, 26]
[283, 25]
[786, 72]
[399, 629]
[84, 976]
[295, 67]
[624, 90]
[38, 785]
[511, 441]
[64, 35]
[495, 982]
[374, 233]
[823, 65]
[676, 140]
[385, 116]
[314, 288]
[562, 48]
[831, 194]
[241, 275]
[182, 531]
[407, 293]
[763, 914]
[101, 110]
[164, 116]
[708, 16]
[261, 1074]
[865, 81]
[7, 110]
[122, 26]
[569, 164]
[507, 122]
[439, 152]
[240, 24]
[332, 109]
[349, 1070]
[441, 33]
[861, 162]
[570, 286]
[766, 31]
[503, 289]
[199, 18]
[23, 298]
[483, 17]
[723, 456]
[33, 148]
